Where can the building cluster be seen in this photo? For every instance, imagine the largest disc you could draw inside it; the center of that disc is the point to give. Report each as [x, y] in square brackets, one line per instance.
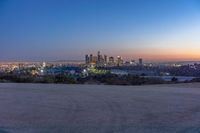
[40, 69]
[104, 60]
[34, 68]
[107, 65]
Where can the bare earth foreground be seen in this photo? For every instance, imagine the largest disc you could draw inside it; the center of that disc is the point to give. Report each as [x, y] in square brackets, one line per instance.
[47, 108]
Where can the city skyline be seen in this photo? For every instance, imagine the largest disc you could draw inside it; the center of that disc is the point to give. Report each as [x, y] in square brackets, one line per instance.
[155, 30]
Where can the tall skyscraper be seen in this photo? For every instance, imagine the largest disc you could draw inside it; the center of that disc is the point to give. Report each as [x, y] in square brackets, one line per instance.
[91, 58]
[140, 61]
[94, 59]
[105, 59]
[119, 60]
[87, 59]
[43, 64]
[98, 57]
[111, 59]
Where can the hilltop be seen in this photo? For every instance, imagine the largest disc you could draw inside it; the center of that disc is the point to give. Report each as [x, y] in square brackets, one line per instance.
[28, 108]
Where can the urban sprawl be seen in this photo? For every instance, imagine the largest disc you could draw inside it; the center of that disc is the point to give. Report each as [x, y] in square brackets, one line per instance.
[100, 69]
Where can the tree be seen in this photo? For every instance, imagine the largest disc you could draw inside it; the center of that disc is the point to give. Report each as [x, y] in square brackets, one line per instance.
[174, 79]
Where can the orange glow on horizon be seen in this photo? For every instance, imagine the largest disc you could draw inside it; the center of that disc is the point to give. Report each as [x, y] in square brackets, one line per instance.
[153, 54]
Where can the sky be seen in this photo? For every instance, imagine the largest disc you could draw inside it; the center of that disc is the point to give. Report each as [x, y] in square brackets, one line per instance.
[156, 30]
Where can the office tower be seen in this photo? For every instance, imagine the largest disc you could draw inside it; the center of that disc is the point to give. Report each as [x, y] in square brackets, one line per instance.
[87, 59]
[132, 62]
[140, 61]
[94, 59]
[111, 59]
[105, 59]
[91, 57]
[101, 59]
[44, 64]
[119, 60]
[98, 57]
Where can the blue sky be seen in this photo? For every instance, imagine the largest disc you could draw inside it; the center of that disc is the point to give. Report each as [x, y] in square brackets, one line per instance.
[68, 29]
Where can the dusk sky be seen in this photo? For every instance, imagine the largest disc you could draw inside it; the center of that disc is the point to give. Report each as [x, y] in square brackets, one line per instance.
[156, 30]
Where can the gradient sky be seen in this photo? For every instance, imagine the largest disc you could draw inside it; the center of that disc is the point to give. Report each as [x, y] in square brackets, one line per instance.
[68, 29]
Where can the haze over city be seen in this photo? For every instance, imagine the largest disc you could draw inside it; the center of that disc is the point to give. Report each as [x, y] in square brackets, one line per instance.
[156, 30]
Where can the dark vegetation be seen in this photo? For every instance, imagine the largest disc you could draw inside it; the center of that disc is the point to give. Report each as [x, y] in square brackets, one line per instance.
[111, 79]
[108, 79]
[93, 78]
[37, 79]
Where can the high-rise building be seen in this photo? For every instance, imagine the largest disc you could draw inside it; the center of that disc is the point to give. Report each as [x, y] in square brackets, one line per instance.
[105, 59]
[91, 57]
[119, 61]
[43, 64]
[140, 61]
[111, 59]
[132, 62]
[87, 59]
[98, 57]
[94, 60]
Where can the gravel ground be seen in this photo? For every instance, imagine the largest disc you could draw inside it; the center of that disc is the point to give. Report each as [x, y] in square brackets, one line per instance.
[50, 108]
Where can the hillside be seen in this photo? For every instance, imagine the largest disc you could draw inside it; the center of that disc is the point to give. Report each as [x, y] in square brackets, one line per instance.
[54, 108]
